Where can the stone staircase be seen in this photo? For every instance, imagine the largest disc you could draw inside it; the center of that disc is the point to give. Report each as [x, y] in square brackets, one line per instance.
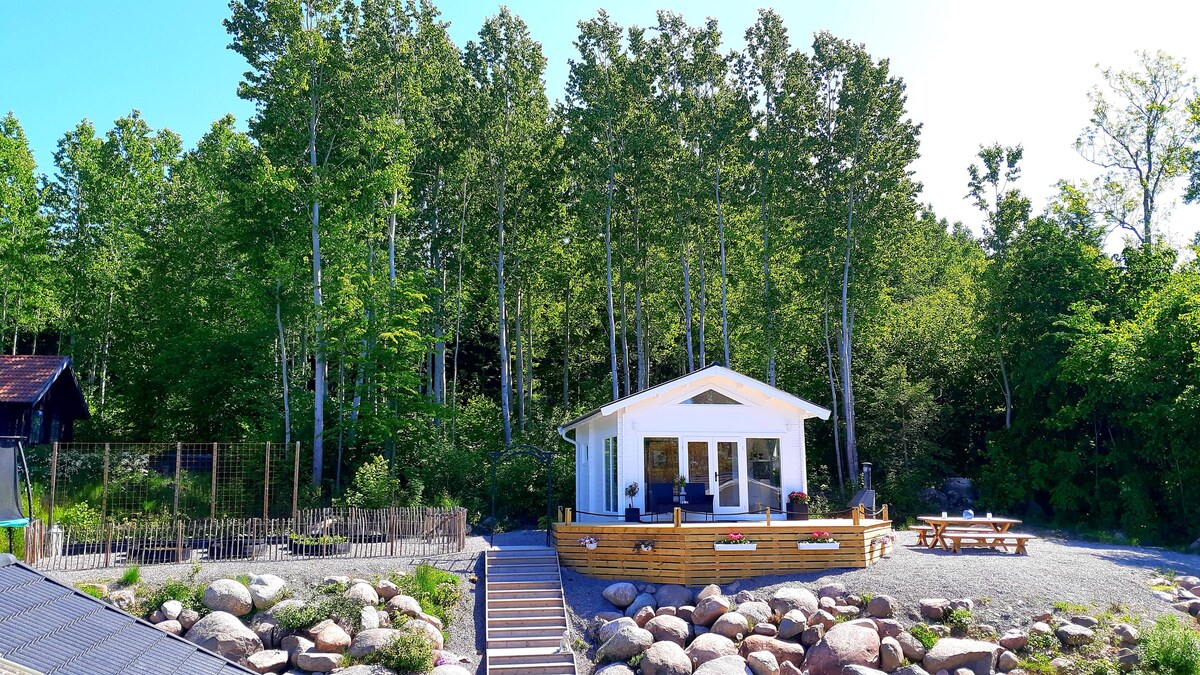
[525, 616]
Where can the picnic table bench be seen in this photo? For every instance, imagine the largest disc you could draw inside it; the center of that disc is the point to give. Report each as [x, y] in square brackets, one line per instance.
[984, 539]
[952, 532]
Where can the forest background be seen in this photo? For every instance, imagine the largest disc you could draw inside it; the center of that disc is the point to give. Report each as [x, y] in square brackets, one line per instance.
[413, 254]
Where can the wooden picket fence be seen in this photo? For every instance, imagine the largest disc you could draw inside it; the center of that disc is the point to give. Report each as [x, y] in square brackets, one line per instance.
[312, 534]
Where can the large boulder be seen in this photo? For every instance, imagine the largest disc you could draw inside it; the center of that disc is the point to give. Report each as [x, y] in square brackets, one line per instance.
[708, 647]
[265, 590]
[268, 661]
[934, 608]
[881, 606]
[405, 605]
[669, 629]
[188, 618]
[606, 631]
[386, 589]
[855, 669]
[170, 626]
[1074, 635]
[425, 629]
[369, 641]
[844, 644]
[834, 590]
[229, 596]
[363, 594]
[665, 658]
[951, 653]
[1014, 639]
[708, 591]
[612, 669]
[620, 594]
[223, 633]
[318, 662]
[364, 670]
[782, 650]
[709, 609]
[792, 624]
[295, 645]
[626, 643]
[891, 655]
[762, 663]
[171, 610]
[333, 638]
[671, 595]
[757, 611]
[793, 597]
[643, 616]
[732, 625]
[642, 601]
[726, 665]
[913, 649]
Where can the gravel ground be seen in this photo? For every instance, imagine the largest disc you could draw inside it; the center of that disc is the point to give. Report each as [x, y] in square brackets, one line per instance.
[467, 564]
[1007, 588]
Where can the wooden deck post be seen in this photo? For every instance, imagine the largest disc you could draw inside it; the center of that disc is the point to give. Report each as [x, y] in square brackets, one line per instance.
[178, 464]
[884, 514]
[212, 501]
[567, 515]
[677, 516]
[53, 483]
[558, 514]
[768, 516]
[856, 514]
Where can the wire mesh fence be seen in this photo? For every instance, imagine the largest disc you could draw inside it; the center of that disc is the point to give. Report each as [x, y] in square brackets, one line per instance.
[106, 504]
[312, 534]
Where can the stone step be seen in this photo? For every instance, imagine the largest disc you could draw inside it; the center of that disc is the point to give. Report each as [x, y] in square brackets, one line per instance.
[543, 630]
[532, 641]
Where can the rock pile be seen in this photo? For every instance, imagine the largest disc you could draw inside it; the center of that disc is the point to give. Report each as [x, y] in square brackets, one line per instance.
[669, 630]
[241, 625]
[1182, 592]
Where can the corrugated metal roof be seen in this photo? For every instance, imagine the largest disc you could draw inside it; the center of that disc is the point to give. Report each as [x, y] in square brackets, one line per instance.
[24, 378]
[54, 629]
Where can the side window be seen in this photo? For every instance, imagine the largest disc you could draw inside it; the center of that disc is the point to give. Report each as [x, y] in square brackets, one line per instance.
[611, 496]
[35, 427]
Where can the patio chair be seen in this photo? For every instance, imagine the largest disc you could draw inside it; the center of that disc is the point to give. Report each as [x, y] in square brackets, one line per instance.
[660, 498]
[697, 501]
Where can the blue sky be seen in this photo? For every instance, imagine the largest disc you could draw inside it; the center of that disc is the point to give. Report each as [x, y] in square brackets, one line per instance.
[1015, 72]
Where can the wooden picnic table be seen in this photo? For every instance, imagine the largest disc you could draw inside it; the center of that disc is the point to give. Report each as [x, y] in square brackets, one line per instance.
[941, 523]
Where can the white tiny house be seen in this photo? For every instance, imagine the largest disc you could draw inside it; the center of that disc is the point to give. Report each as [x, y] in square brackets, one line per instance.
[735, 442]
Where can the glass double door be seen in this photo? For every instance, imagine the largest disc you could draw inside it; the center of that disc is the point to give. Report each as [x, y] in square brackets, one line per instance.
[719, 464]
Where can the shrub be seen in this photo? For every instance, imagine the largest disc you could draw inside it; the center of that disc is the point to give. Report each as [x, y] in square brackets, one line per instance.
[92, 590]
[336, 607]
[1042, 643]
[924, 634]
[131, 576]
[81, 521]
[374, 487]
[407, 653]
[437, 590]
[174, 589]
[959, 620]
[1170, 648]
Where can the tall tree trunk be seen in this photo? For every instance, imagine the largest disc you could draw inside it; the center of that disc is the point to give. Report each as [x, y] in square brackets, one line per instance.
[687, 307]
[641, 336]
[16, 325]
[766, 230]
[833, 397]
[566, 366]
[625, 332]
[337, 480]
[520, 366]
[318, 459]
[462, 226]
[612, 323]
[846, 344]
[1008, 406]
[505, 377]
[283, 366]
[724, 284]
[703, 303]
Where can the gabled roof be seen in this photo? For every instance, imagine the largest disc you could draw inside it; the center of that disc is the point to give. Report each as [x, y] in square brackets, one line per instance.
[807, 408]
[26, 378]
[54, 629]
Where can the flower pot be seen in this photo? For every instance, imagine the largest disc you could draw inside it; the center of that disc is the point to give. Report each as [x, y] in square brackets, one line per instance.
[590, 547]
[735, 547]
[797, 511]
[818, 546]
[645, 549]
[633, 515]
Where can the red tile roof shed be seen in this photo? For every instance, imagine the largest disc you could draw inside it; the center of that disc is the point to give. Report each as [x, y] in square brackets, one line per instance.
[26, 378]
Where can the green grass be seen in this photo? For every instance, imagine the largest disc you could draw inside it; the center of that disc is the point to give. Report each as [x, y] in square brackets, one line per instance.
[243, 579]
[1170, 648]
[1069, 607]
[92, 590]
[131, 576]
[189, 595]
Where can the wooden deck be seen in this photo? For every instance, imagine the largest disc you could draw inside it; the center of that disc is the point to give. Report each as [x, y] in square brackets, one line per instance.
[684, 554]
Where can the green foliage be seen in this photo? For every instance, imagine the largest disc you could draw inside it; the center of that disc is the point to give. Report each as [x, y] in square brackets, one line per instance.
[924, 634]
[374, 486]
[316, 540]
[80, 520]
[1170, 647]
[959, 620]
[337, 607]
[438, 591]
[92, 590]
[189, 595]
[1043, 643]
[131, 575]
[408, 652]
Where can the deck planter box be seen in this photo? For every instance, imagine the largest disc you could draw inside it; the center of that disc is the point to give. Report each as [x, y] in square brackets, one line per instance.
[736, 547]
[633, 515]
[797, 511]
[818, 546]
[319, 549]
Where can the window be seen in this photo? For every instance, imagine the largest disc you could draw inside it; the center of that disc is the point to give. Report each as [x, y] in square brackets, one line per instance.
[662, 460]
[35, 427]
[611, 495]
[762, 457]
[710, 397]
